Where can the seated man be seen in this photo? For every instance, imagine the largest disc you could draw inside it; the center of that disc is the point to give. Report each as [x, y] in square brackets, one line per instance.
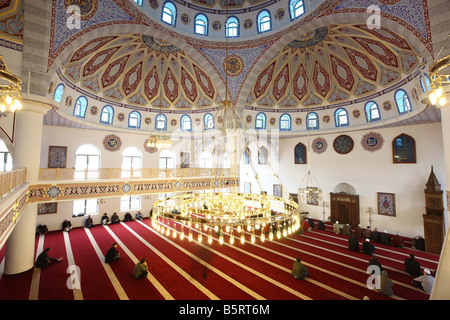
[368, 248]
[337, 228]
[112, 254]
[374, 262]
[88, 223]
[397, 241]
[353, 244]
[347, 230]
[127, 217]
[115, 218]
[359, 231]
[140, 269]
[385, 238]
[412, 266]
[376, 235]
[299, 270]
[425, 281]
[306, 226]
[43, 260]
[320, 225]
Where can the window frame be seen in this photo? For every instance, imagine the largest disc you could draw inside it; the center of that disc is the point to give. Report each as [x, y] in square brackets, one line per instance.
[289, 121]
[368, 110]
[138, 119]
[394, 147]
[59, 91]
[294, 7]
[405, 94]
[85, 213]
[129, 207]
[263, 121]
[260, 23]
[139, 2]
[110, 115]
[308, 120]
[197, 18]
[338, 116]
[173, 14]
[161, 118]
[183, 120]
[232, 19]
[80, 111]
[206, 121]
[305, 160]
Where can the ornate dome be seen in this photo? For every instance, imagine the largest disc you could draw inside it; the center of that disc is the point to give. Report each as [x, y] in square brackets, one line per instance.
[332, 65]
[141, 71]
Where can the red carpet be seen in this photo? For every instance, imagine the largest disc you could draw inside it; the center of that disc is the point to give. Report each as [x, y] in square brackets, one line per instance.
[183, 270]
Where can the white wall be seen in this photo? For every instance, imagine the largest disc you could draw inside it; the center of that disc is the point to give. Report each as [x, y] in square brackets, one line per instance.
[368, 173]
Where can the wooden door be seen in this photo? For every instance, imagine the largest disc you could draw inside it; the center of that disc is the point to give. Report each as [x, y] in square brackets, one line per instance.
[344, 208]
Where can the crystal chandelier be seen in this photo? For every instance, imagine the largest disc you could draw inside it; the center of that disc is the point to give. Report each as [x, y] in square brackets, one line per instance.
[223, 213]
[10, 96]
[439, 77]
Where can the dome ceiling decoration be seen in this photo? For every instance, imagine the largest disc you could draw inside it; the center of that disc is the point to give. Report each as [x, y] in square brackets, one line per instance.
[334, 64]
[141, 71]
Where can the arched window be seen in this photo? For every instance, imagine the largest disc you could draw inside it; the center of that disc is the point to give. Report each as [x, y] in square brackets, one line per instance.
[341, 118]
[402, 101]
[161, 122]
[131, 163]
[87, 162]
[107, 115]
[201, 24]
[80, 107]
[169, 13]
[264, 21]
[139, 2]
[312, 121]
[300, 154]
[134, 120]
[372, 111]
[232, 27]
[285, 122]
[167, 159]
[59, 91]
[262, 155]
[260, 121]
[186, 123]
[404, 149]
[425, 82]
[296, 8]
[208, 121]
[5, 158]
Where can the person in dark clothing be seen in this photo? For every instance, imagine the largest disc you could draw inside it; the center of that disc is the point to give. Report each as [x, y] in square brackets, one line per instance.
[419, 243]
[385, 238]
[42, 229]
[359, 231]
[127, 217]
[368, 248]
[375, 235]
[112, 254]
[311, 222]
[43, 260]
[88, 223]
[374, 262]
[397, 241]
[115, 218]
[66, 225]
[347, 230]
[320, 225]
[105, 219]
[412, 266]
[353, 244]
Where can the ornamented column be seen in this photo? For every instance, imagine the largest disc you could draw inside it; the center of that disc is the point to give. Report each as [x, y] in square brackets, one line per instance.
[20, 246]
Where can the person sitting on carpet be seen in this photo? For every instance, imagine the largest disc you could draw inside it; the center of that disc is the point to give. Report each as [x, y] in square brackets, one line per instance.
[385, 285]
[412, 266]
[43, 260]
[385, 238]
[139, 215]
[105, 219]
[88, 223]
[375, 235]
[299, 270]
[397, 241]
[320, 225]
[42, 229]
[140, 269]
[306, 226]
[367, 233]
[127, 217]
[367, 247]
[112, 254]
[359, 232]
[337, 228]
[419, 243]
[353, 244]
[374, 262]
[66, 225]
[425, 281]
[115, 218]
[347, 230]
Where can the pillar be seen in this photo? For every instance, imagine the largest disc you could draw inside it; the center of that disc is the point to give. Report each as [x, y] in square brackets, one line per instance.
[20, 246]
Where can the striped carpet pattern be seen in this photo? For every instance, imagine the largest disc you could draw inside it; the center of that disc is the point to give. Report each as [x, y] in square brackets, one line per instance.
[183, 270]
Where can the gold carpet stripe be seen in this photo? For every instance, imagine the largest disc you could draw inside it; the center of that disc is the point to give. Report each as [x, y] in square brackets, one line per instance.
[35, 280]
[197, 284]
[77, 293]
[109, 272]
[210, 267]
[150, 277]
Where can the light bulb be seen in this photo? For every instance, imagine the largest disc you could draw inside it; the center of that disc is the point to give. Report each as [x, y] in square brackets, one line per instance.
[439, 92]
[433, 98]
[18, 104]
[442, 101]
[221, 239]
[2, 108]
[242, 239]
[263, 237]
[8, 99]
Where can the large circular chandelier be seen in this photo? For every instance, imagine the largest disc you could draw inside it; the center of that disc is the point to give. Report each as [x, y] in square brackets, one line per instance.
[10, 89]
[440, 78]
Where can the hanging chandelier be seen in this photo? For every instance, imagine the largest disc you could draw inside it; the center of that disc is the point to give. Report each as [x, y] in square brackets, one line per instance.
[10, 88]
[223, 213]
[439, 77]
[159, 140]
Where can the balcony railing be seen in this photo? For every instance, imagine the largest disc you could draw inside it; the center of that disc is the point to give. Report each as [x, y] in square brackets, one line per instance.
[70, 174]
[11, 179]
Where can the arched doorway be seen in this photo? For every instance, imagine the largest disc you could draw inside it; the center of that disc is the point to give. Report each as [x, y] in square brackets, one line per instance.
[344, 205]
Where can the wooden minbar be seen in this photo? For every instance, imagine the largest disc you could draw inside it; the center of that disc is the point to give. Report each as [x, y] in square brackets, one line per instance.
[433, 220]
